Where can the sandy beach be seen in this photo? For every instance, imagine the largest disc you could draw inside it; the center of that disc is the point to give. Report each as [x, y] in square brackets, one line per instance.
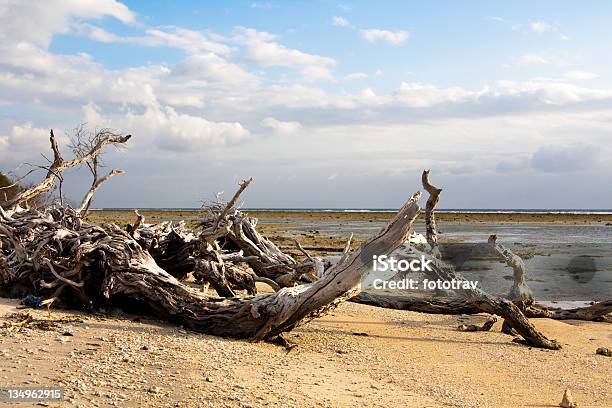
[356, 356]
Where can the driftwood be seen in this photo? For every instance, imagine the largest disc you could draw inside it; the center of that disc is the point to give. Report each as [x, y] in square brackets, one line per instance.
[430, 215]
[55, 254]
[58, 166]
[487, 303]
[477, 301]
[103, 264]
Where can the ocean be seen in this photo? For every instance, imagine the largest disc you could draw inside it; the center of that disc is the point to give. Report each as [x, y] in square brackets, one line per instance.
[361, 210]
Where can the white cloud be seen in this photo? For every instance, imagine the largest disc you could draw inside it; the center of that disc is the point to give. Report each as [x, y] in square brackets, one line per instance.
[284, 128]
[174, 37]
[314, 72]
[578, 75]
[551, 93]
[420, 95]
[188, 40]
[167, 128]
[355, 75]
[540, 26]
[95, 33]
[392, 37]
[340, 21]
[37, 21]
[213, 69]
[26, 137]
[531, 59]
[263, 50]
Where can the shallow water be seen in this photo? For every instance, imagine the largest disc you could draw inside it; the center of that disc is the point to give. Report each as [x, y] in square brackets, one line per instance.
[564, 262]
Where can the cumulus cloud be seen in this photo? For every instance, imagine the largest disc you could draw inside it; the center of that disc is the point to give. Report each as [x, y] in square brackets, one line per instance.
[188, 40]
[392, 37]
[552, 93]
[212, 68]
[36, 22]
[284, 128]
[264, 50]
[26, 137]
[169, 129]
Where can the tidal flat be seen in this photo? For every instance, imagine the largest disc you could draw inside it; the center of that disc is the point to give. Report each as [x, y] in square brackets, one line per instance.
[568, 255]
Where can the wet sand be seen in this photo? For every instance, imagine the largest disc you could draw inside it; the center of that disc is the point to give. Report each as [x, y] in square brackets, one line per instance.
[327, 231]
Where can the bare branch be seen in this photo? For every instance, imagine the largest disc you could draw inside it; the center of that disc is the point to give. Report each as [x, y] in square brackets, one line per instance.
[430, 218]
[243, 185]
[520, 292]
[59, 166]
[86, 202]
[302, 250]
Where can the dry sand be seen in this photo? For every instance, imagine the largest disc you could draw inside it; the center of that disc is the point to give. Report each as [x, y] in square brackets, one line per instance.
[358, 356]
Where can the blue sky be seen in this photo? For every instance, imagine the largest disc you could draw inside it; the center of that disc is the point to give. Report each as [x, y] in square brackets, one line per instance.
[326, 104]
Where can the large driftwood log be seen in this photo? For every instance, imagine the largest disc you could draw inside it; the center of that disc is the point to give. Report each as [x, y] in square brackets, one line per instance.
[432, 305]
[57, 255]
[44, 254]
